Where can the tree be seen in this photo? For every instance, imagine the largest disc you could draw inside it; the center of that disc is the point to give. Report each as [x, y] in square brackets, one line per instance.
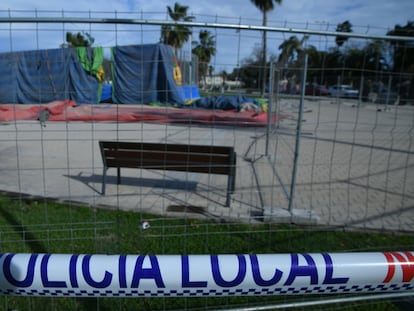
[176, 35]
[204, 49]
[79, 39]
[376, 51]
[316, 64]
[343, 27]
[403, 58]
[354, 67]
[249, 71]
[403, 51]
[334, 65]
[264, 6]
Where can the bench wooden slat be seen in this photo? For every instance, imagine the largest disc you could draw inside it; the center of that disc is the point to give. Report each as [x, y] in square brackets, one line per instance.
[161, 154]
[166, 147]
[146, 158]
[199, 167]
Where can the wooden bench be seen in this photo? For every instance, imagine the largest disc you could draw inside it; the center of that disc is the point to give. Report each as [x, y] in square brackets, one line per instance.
[176, 157]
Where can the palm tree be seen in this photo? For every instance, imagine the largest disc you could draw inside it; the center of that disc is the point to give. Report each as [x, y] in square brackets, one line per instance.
[289, 47]
[343, 27]
[204, 49]
[292, 49]
[265, 6]
[176, 35]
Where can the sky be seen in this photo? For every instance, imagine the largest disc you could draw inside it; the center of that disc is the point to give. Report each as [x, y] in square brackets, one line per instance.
[374, 17]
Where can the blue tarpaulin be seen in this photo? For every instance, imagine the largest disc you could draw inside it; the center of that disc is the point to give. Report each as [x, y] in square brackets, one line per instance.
[143, 74]
[42, 76]
[223, 102]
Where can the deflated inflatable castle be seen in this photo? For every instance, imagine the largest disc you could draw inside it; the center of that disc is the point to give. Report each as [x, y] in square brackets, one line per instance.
[68, 84]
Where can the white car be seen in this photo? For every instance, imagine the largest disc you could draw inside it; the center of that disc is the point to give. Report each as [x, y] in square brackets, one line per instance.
[343, 91]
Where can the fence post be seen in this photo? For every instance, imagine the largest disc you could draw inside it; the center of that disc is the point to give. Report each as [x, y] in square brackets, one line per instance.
[269, 106]
[298, 134]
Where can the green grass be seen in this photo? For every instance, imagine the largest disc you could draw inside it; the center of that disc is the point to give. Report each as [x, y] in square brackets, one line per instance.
[38, 226]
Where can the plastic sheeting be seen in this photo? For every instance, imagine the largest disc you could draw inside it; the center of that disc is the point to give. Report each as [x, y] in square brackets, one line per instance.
[223, 102]
[42, 76]
[144, 74]
[69, 111]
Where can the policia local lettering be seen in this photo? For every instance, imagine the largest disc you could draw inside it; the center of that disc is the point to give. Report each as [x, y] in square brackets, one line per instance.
[123, 277]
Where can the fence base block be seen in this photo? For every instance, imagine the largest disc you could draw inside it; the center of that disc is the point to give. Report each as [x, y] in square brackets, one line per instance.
[297, 216]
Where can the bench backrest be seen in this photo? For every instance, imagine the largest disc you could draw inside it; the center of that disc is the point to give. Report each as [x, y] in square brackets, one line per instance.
[177, 157]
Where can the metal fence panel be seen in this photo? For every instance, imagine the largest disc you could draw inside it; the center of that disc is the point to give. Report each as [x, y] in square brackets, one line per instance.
[331, 164]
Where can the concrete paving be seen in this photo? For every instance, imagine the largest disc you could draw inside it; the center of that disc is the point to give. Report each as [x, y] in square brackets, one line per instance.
[355, 167]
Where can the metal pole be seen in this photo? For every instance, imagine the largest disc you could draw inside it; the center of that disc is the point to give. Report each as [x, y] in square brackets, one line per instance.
[298, 134]
[269, 106]
[320, 302]
[276, 82]
[131, 21]
[190, 78]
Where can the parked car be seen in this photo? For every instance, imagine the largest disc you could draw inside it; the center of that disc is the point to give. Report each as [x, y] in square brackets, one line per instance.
[316, 90]
[343, 91]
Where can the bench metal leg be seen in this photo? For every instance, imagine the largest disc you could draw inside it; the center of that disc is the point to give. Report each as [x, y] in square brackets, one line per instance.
[230, 189]
[104, 180]
[228, 199]
[231, 182]
[233, 185]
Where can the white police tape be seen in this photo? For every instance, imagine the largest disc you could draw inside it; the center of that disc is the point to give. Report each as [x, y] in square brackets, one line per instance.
[204, 275]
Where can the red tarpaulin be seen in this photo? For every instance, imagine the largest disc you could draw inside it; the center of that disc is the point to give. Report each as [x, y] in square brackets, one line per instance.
[69, 111]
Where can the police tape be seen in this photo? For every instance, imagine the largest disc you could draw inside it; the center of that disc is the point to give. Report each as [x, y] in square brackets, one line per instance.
[75, 275]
